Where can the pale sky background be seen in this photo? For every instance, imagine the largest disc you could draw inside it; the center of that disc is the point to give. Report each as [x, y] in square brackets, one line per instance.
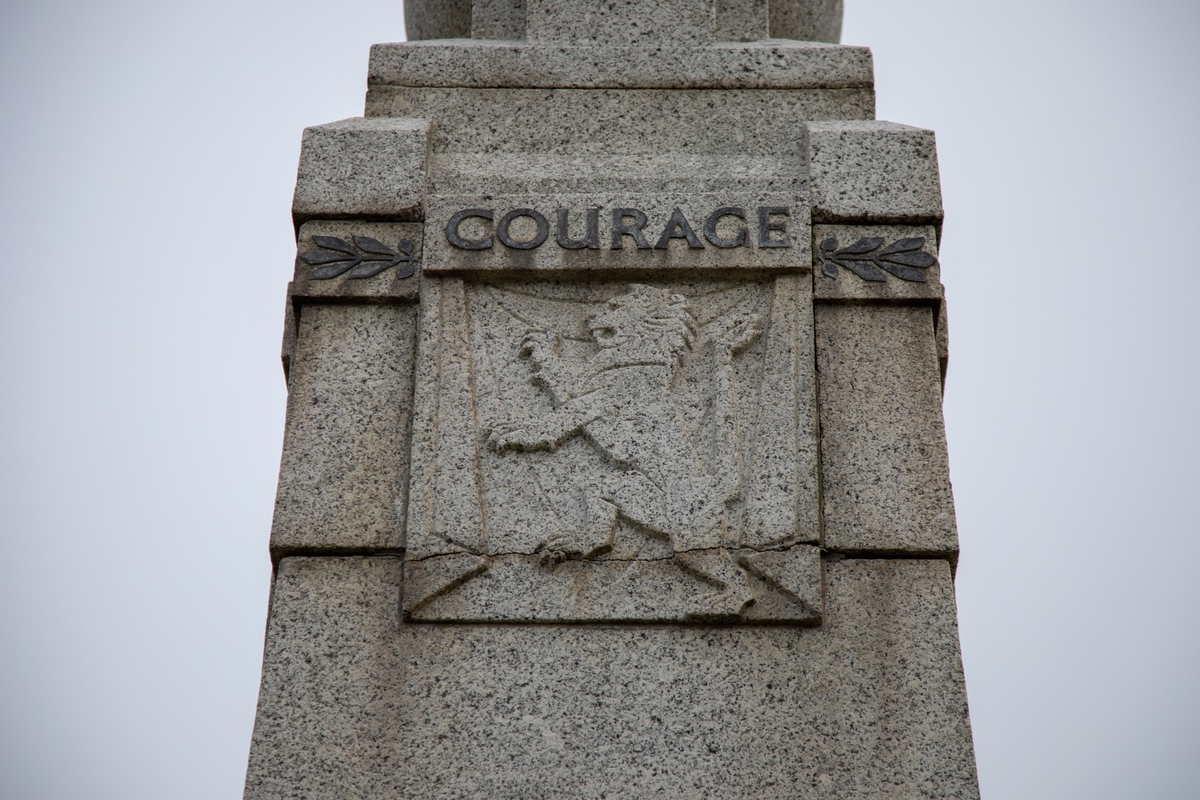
[148, 158]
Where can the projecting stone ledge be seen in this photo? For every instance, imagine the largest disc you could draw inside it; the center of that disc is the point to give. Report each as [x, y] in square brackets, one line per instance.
[768, 64]
[366, 168]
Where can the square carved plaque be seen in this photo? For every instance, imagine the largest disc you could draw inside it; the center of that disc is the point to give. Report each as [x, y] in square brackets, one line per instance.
[606, 451]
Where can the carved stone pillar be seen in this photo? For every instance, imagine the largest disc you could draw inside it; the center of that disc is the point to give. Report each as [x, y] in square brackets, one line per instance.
[614, 462]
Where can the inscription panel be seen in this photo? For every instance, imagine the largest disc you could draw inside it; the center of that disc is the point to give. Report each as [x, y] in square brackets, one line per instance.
[740, 230]
[608, 451]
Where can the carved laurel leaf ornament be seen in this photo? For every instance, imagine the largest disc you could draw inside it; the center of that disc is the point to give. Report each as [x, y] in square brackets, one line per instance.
[366, 258]
[902, 258]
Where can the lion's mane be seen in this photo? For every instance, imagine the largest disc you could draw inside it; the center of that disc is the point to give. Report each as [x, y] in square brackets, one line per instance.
[664, 319]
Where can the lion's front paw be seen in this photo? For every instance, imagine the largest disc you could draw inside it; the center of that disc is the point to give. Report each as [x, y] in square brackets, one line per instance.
[508, 436]
[516, 436]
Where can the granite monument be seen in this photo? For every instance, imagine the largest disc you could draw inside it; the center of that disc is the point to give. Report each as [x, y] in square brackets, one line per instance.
[614, 461]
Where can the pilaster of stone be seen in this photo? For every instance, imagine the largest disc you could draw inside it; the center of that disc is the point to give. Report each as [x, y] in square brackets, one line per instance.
[350, 337]
[881, 339]
[344, 472]
[885, 477]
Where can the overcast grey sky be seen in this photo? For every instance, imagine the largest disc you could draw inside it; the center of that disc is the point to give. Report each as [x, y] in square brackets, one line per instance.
[149, 152]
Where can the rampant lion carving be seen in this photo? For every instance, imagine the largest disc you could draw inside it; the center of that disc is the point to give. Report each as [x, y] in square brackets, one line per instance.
[621, 402]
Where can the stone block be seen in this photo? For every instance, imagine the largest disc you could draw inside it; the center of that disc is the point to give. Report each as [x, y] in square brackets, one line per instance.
[498, 19]
[594, 427]
[601, 22]
[437, 19]
[586, 122]
[885, 481]
[876, 262]
[343, 476]
[362, 168]
[508, 233]
[753, 65]
[355, 704]
[807, 20]
[741, 20]
[865, 171]
[354, 259]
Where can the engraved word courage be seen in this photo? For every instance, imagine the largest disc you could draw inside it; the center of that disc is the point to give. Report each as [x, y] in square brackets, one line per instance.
[626, 223]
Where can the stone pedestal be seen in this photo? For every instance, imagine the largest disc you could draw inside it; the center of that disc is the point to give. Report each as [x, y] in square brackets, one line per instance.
[614, 463]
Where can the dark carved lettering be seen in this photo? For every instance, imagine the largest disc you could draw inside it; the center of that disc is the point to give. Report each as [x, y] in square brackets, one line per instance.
[468, 244]
[678, 228]
[543, 229]
[591, 241]
[766, 226]
[620, 229]
[710, 227]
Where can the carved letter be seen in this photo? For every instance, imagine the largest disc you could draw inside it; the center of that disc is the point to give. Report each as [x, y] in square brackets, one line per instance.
[619, 228]
[710, 227]
[468, 244]
[543, 229]
[765, 226]
[592, 241]
[678, 228]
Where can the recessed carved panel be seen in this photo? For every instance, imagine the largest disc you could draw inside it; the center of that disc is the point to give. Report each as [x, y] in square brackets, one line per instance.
[613, 451]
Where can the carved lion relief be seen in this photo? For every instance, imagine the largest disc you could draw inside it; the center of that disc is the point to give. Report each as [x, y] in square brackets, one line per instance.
[606, 451]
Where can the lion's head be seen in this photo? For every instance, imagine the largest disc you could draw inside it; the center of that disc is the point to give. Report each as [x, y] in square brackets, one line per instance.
[653, 321]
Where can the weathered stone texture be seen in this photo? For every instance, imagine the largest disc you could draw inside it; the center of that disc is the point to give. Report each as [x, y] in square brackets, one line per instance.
[808, 20]
[498, 19]
[331, 683]
[437, 19]
[687, 175]
[597, 21]
[344, 474]
[885, 479]
[601, 22]
[362, 168]
[866, 171]
[608, 121]
[869, 705]
[741, 20]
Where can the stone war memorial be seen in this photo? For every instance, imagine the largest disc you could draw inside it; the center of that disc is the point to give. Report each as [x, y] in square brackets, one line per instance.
[614, 461]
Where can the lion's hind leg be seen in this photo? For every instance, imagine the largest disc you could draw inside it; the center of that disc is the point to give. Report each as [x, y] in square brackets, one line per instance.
[595, 539]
